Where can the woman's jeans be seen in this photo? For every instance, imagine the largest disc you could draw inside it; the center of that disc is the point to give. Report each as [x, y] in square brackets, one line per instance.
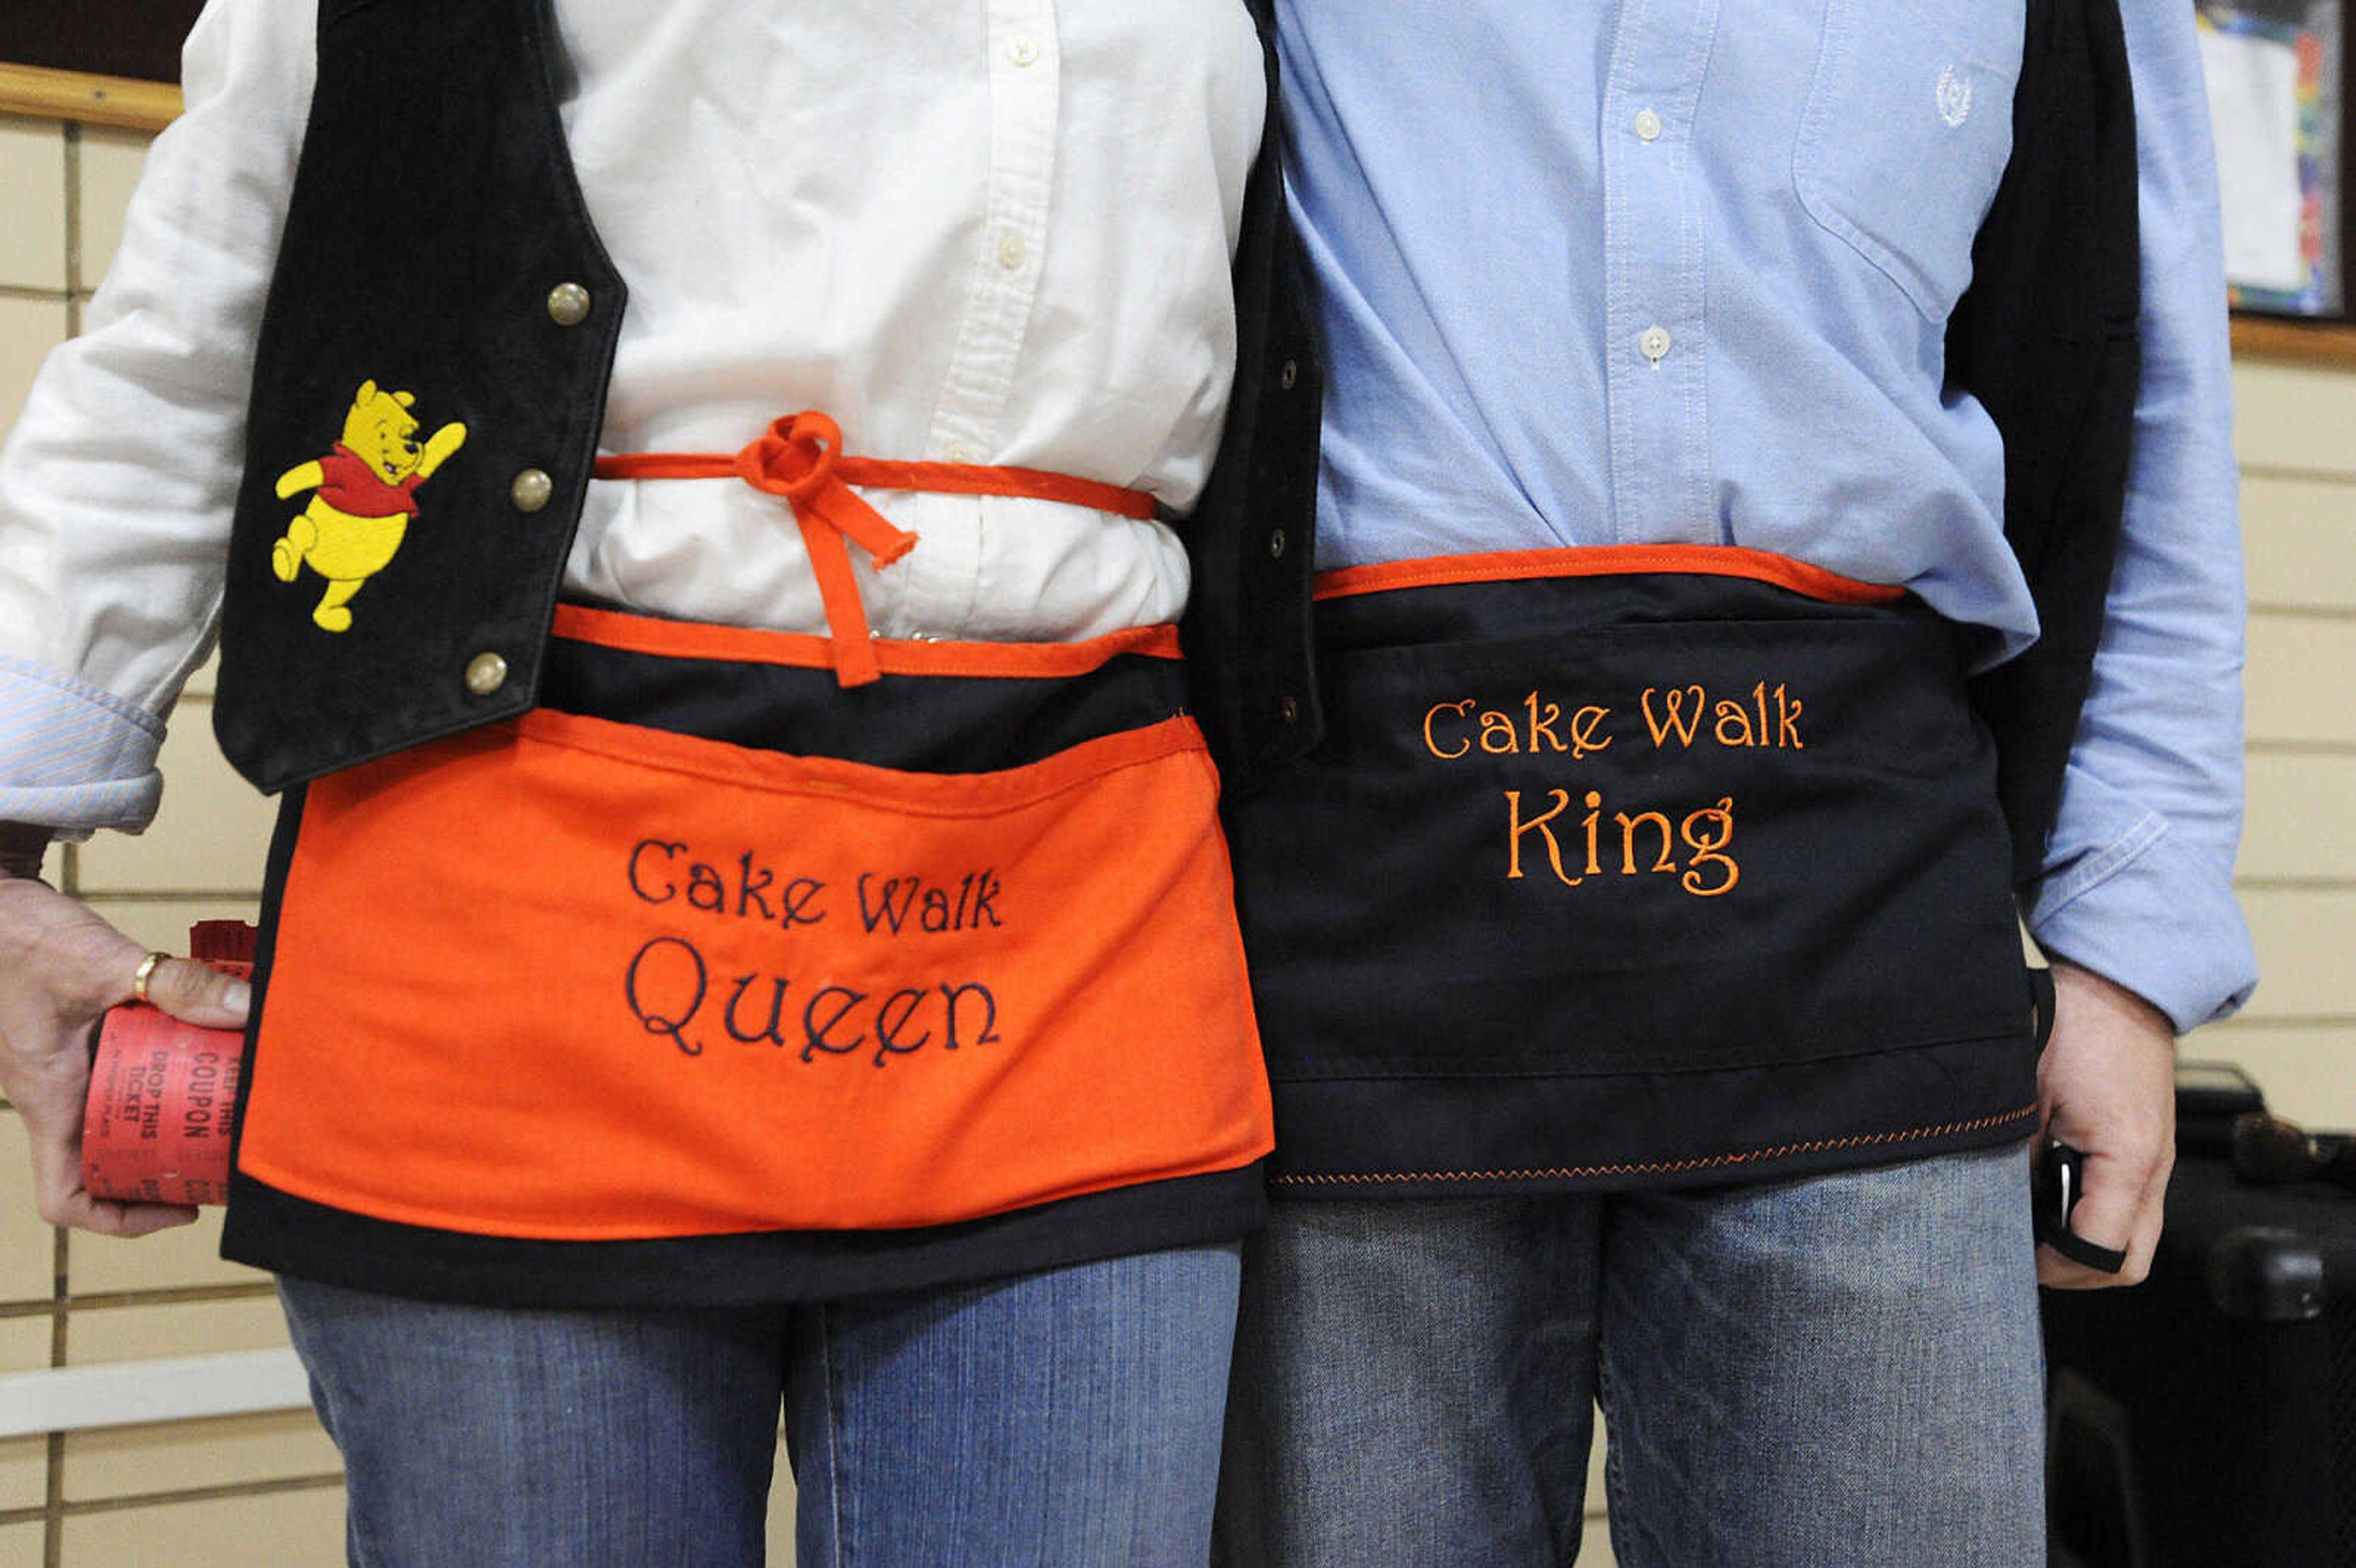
[1065, 1417]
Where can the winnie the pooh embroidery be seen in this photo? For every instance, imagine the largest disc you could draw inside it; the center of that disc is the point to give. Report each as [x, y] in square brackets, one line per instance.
[366, 493]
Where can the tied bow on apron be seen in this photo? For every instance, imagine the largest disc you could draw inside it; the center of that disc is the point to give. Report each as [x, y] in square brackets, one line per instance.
[800, 459]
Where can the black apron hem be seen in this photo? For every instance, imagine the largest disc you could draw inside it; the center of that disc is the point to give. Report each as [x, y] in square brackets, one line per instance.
[1811, 1157]
[1430, 1137]
[276, 1230]
[1815, 1156]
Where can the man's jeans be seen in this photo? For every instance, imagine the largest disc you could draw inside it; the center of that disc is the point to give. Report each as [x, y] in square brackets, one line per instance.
[1842, 1370]
[1065, 1417]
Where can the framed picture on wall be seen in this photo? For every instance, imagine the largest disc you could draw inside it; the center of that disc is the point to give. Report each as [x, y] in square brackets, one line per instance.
[2276, 71]
[136, 38]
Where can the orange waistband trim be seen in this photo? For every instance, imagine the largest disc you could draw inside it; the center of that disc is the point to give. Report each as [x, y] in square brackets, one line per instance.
[800, 458]
[802, 650]
[1608, 561]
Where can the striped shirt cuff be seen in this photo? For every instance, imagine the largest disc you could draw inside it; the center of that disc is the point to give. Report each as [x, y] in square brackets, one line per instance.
[73, 757]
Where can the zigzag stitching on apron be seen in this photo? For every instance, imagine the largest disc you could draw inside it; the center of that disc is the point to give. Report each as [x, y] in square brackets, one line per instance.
[1657, 1168]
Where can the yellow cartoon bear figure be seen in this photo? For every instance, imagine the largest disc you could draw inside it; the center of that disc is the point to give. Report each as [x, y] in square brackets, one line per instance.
[367, 491]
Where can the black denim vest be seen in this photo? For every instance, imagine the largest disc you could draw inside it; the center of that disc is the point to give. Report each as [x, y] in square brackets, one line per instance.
[2046, 338]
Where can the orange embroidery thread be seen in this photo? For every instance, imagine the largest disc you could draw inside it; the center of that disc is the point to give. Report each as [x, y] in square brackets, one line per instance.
[1653, 1168]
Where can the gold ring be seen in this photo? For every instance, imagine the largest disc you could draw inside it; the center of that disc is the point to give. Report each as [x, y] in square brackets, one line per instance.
[144, 973]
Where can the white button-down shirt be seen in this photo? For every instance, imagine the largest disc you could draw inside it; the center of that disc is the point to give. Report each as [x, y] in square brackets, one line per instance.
[993, 232]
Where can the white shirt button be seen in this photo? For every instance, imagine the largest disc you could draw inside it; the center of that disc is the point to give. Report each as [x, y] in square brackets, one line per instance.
[1023, 51]
[1011, 251]
[1654, 343]
[962, 452]
[1648, 125]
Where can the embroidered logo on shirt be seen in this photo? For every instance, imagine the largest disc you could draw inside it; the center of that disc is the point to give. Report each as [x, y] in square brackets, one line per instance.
[366, 493]
[1954, 97]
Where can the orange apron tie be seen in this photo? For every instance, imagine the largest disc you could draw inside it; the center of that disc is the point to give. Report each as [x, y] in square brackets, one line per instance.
[800, 458]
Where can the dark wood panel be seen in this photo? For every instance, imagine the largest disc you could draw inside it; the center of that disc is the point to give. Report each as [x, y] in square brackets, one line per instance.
[107, 37]
[2280, 338]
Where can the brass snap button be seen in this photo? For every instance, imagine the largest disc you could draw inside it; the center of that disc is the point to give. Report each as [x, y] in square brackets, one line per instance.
[531, 490]
[486, 672]
[568, 305]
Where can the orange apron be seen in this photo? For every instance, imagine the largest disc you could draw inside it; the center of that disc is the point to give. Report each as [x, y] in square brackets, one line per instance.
[709, 943]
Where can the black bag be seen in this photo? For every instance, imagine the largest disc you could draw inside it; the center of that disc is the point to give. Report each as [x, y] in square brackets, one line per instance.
[2206, 1419]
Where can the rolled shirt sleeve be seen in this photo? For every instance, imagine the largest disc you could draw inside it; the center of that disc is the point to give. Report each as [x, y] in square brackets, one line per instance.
[2138, 879]
[118, 478]
[77, 758]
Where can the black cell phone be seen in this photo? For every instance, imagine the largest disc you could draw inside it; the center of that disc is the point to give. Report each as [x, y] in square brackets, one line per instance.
[2058, 1181]
[2057, 1176]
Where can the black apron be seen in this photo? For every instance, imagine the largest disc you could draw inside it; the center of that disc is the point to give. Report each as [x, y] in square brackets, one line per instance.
[1631, 867]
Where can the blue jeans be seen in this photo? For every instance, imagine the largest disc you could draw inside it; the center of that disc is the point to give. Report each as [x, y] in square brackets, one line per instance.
[1065, 1417]
[1841, 1369]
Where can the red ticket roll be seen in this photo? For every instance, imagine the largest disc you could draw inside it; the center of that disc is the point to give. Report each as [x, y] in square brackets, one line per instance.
[163, 1094]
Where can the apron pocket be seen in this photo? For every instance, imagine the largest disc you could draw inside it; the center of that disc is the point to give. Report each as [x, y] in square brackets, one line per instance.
[573, 978]
[1681, 844]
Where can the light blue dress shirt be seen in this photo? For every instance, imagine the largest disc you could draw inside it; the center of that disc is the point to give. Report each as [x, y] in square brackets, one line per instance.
[1620, 272]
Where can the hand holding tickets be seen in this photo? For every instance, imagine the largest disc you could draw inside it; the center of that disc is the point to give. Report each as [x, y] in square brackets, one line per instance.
[163, 1094]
